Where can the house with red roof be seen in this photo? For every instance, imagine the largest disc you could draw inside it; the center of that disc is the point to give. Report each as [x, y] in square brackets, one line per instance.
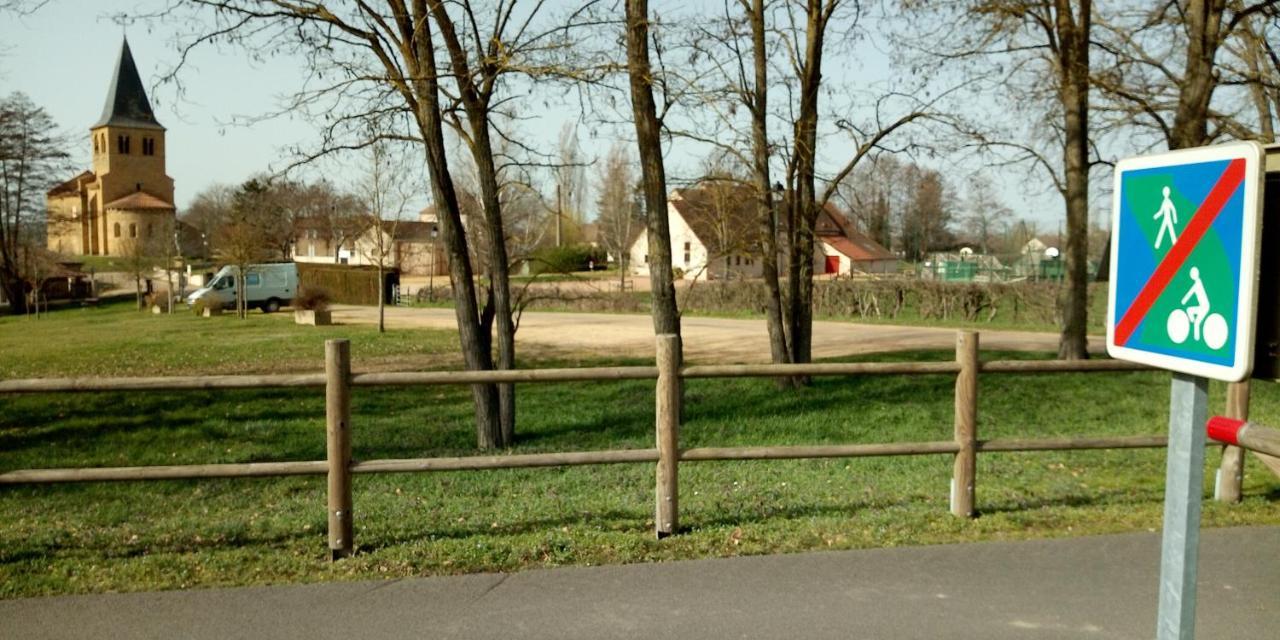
[843, 250]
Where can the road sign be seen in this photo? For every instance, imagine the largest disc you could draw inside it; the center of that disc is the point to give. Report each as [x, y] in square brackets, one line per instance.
[1184, 260]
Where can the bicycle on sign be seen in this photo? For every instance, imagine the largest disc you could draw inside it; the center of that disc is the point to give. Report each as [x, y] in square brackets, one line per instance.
[1209, 328]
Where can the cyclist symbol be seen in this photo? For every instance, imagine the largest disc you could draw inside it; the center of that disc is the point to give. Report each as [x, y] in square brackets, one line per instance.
[1210, 328]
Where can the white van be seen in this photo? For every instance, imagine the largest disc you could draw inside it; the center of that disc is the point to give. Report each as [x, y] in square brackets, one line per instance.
[267, 286]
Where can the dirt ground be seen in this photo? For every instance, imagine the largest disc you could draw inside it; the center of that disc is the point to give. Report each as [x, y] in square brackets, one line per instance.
[706, 340]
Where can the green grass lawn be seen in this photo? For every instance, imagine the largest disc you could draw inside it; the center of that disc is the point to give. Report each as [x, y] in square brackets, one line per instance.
[155, 535]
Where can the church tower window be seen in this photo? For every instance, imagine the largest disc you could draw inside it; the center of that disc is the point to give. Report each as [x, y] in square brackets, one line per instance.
[117, 229]
[122, 144]
[148, 146]
[133, 229]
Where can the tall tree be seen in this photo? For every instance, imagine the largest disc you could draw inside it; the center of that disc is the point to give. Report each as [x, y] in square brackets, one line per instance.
[32, 156]
[378, 61]
[1161, 69]
[985, 214]
[240, 242]
[666, 316]
[1039, 49]
[386, 195]
[615, 206]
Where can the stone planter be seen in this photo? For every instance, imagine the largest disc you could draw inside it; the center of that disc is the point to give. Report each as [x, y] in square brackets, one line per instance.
[313, 317]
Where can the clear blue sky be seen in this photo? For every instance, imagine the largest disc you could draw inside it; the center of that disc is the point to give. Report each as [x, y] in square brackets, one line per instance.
[63, 57]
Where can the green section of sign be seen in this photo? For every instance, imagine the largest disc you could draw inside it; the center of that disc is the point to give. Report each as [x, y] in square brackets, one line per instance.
[1144, 195]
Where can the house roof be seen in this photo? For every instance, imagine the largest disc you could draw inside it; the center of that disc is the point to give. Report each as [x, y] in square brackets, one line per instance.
[831, 222]
[127, 104]
[858, 248]
[72, 185]
[721, 214]
[409, 230]
[138, 200]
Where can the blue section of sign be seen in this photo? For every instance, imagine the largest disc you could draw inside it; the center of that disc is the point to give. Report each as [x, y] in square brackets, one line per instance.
[1195, 317]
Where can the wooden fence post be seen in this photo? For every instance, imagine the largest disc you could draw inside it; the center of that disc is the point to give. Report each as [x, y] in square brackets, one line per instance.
[669, 396]
[1231, 473]
[966, 424]
[337, 408]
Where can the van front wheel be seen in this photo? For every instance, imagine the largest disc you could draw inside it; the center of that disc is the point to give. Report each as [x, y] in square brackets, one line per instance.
[272, 306]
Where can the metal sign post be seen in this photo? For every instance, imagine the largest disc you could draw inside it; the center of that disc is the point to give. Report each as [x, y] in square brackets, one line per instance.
[1184, 483]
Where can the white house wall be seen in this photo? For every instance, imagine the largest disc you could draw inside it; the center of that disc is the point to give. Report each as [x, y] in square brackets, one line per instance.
[681, 233]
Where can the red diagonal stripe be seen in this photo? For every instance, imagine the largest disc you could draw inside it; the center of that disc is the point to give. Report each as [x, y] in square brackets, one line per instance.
[1194, 231]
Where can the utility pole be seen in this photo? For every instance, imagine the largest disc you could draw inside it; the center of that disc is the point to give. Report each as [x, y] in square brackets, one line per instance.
[559, 217]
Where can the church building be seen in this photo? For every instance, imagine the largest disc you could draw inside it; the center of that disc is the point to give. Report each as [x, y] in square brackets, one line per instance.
[125, 204]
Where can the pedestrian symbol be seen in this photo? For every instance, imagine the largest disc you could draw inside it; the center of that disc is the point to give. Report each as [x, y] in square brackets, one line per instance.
[1183, 281]
[1168, 216]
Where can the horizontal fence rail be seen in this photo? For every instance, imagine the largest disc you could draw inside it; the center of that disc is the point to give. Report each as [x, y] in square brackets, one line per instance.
[594, 374]
[669, 375]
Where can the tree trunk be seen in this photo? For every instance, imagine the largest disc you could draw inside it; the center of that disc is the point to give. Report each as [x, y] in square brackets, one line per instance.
[1203, 19]
[477, 109]
[1074, 82]
[666, 316]
[1255, 60]
[475, 346]
[382, 299]
[765, 211]
[805, 205]
[14, 291]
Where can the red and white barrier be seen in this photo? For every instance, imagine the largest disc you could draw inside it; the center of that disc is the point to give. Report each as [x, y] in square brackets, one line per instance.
[1247, 435]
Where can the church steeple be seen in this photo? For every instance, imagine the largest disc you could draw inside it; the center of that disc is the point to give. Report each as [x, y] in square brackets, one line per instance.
[127, 104]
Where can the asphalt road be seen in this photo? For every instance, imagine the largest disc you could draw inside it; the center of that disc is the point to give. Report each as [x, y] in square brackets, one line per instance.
[1097, 588]
[705, 339]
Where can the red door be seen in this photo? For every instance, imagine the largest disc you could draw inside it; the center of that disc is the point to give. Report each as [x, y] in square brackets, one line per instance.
[833, 264]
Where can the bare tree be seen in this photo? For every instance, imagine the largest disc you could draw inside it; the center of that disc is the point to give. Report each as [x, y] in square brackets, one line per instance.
[666, 315]
[376, 62]
[31, 157]
[208, 211]
[239, 242]
[927, 213]
[386, 194]
[1040, 49]
[985, 213]
[615, 207]
[876, 193]
[141, 256]
[1161, 69]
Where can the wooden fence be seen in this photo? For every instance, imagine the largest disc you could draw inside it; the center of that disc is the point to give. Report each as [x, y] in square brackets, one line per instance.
[669, 374]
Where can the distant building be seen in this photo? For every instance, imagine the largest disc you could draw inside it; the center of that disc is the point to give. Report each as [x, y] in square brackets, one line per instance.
[412, 247]
[843, 250]
[715, 235]
[127, 198]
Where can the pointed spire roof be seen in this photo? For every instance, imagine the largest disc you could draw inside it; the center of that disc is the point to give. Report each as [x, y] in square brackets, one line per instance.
[127, 104]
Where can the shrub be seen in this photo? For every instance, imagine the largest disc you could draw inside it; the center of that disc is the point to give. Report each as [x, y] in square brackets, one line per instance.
[347, 284]
[312, 298]
[203, 303]
[566, 259]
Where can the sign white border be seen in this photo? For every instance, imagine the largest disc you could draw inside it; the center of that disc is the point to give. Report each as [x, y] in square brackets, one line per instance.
[1252, 153]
